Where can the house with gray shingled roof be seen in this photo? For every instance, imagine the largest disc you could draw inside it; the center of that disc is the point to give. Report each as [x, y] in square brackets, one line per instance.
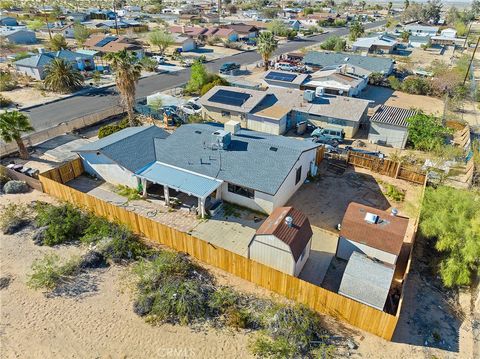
[208, 161]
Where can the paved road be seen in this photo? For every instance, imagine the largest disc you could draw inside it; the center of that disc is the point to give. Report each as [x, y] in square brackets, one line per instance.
[54, 113]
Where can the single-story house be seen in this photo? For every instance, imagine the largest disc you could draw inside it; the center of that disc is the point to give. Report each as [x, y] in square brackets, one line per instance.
[277, 110]
[244, 31]
[224, 34]
[8, 21]
[34, 66]
[362, 65]
[285, 79]
[375, 44]
[367, 280]
[105, 44]
[371, 231]
[388, 126]
[18, 36]
[418, 41]
[336, 81]
[294, 24]
[185, 42]
[195, 32]
[77, 17]
[421, 30]
[283, 241]
[219, 163]
[447, 40]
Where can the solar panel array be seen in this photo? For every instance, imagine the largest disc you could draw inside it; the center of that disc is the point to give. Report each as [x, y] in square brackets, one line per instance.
[231, 98]
[105, 41]
[280, 76]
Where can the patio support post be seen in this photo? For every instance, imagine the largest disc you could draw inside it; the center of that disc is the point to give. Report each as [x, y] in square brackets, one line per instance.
[166, 194]
[144, 188]
[201, 207]
[218, 194]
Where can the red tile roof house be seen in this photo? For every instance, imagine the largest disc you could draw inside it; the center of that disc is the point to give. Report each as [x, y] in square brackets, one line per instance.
[283, 241]
[222, 33]
[376, 233]
[195, 32]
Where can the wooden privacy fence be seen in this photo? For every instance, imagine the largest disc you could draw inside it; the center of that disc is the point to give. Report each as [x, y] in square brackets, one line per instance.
[65, 172]
[317, 298]
[386, 167]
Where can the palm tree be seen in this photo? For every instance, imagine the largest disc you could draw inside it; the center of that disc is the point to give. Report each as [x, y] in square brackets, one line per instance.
[127, 72]
[266, 45]
[60, 76]
[12, 125]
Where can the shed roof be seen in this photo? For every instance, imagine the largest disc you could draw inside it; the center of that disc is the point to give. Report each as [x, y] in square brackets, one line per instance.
[295, 236]
[386, 235]
[391, 115]
[367, 280]
[132, 147]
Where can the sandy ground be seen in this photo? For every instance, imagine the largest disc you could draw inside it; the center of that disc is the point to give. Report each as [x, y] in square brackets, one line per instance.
[29, 96]
[97, 321]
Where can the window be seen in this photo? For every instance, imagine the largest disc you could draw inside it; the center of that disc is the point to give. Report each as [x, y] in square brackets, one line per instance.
[241, 191]
[225, 114]
[298, 176]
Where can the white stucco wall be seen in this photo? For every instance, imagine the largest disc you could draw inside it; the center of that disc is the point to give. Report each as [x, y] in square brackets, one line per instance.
[271, 251]
[392, 135]
[30, 71]
[262, 124]
[104, 168]
[301, 261]
[346, 247]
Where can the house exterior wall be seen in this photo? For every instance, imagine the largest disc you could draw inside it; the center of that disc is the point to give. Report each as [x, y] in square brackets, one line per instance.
[269, 250]
[36, 73]
[224, 116]
[390, 135]
[349, 127]
[104, 168]
[302, 259]
[188, 45]
[267, 125]
[346, 247]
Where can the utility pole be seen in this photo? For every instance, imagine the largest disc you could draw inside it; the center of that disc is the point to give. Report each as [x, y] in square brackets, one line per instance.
[46, 21]
[115, 12]
[471, 61]
[466, 36]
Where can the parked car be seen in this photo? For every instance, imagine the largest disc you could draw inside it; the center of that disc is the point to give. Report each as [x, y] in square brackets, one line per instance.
[329, 134]
[251, 42]
[160, 59]
[228, 67]
[285, 66]
[191, 108]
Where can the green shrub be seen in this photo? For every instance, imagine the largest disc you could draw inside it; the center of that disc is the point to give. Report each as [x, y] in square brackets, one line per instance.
[416, 85]
[107, 130]
[4, 178]
[98, 228]
[5, 102]
[7, 81]
[122, 245]
[394, 83]
[65, 223]
[13, 217]
[49, 272]
[125, 191]
[394, 193]
[266, 347]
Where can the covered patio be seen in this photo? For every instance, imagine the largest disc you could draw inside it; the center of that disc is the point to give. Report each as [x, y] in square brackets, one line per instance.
[180, 180]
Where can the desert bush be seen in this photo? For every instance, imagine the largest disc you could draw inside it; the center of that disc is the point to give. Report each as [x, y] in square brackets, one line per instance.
[4, 178]
[13, 187]
[107, 130]
[97, 229]
[14, 217]
[394, 193]
[65, 223]
[122, 246]
[7, 81]
[49, 272]
[394, 83]
[125, 191]
[5, 102]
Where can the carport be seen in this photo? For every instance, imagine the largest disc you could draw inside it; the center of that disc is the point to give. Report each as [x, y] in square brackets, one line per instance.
[178, 179]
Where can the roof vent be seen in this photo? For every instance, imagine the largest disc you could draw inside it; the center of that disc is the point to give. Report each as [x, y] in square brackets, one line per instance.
[394, 212]
[289, 221]
[274, 149]
[371, 218]
[199, 132]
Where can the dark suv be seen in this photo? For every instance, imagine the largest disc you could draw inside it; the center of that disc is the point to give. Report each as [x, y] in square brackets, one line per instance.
[229, 66]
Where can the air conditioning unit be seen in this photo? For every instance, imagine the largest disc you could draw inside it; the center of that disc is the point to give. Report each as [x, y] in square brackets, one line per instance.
[319, 91]
[309, 95]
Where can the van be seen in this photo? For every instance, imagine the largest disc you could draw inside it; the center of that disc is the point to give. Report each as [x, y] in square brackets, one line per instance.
[329, 134]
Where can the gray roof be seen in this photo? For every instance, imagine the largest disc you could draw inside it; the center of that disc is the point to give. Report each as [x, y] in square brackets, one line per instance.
[367, 280]
[370, 63]
[417, 38]
[255, 97]
[255, 160]
[132, 148]
[42, 60]
[394, 116]
[339, 107]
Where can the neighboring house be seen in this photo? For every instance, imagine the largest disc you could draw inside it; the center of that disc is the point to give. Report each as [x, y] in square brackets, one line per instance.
[225, 34]
[376, 233]
[8, 21]
[34, 66]
[117, 157]
[376, 44]
[283, 241]
[388, 126]
[77, 17]
[421, 30]
[210, 18]
[185, 42]
[244, 31]
[367, 280]
[336, 81]
[285, 79]
[452, 33]
[447, 41]
[418, 41]
[279, 109]
[66, 30]
[294, 24]
[218, 164]
[105, 44]
[361, 65]
[18, 36]
[195, 32]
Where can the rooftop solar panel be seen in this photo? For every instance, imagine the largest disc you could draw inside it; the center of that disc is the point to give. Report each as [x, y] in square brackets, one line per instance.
[279, 76]
[231, 98]
[105, 41]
